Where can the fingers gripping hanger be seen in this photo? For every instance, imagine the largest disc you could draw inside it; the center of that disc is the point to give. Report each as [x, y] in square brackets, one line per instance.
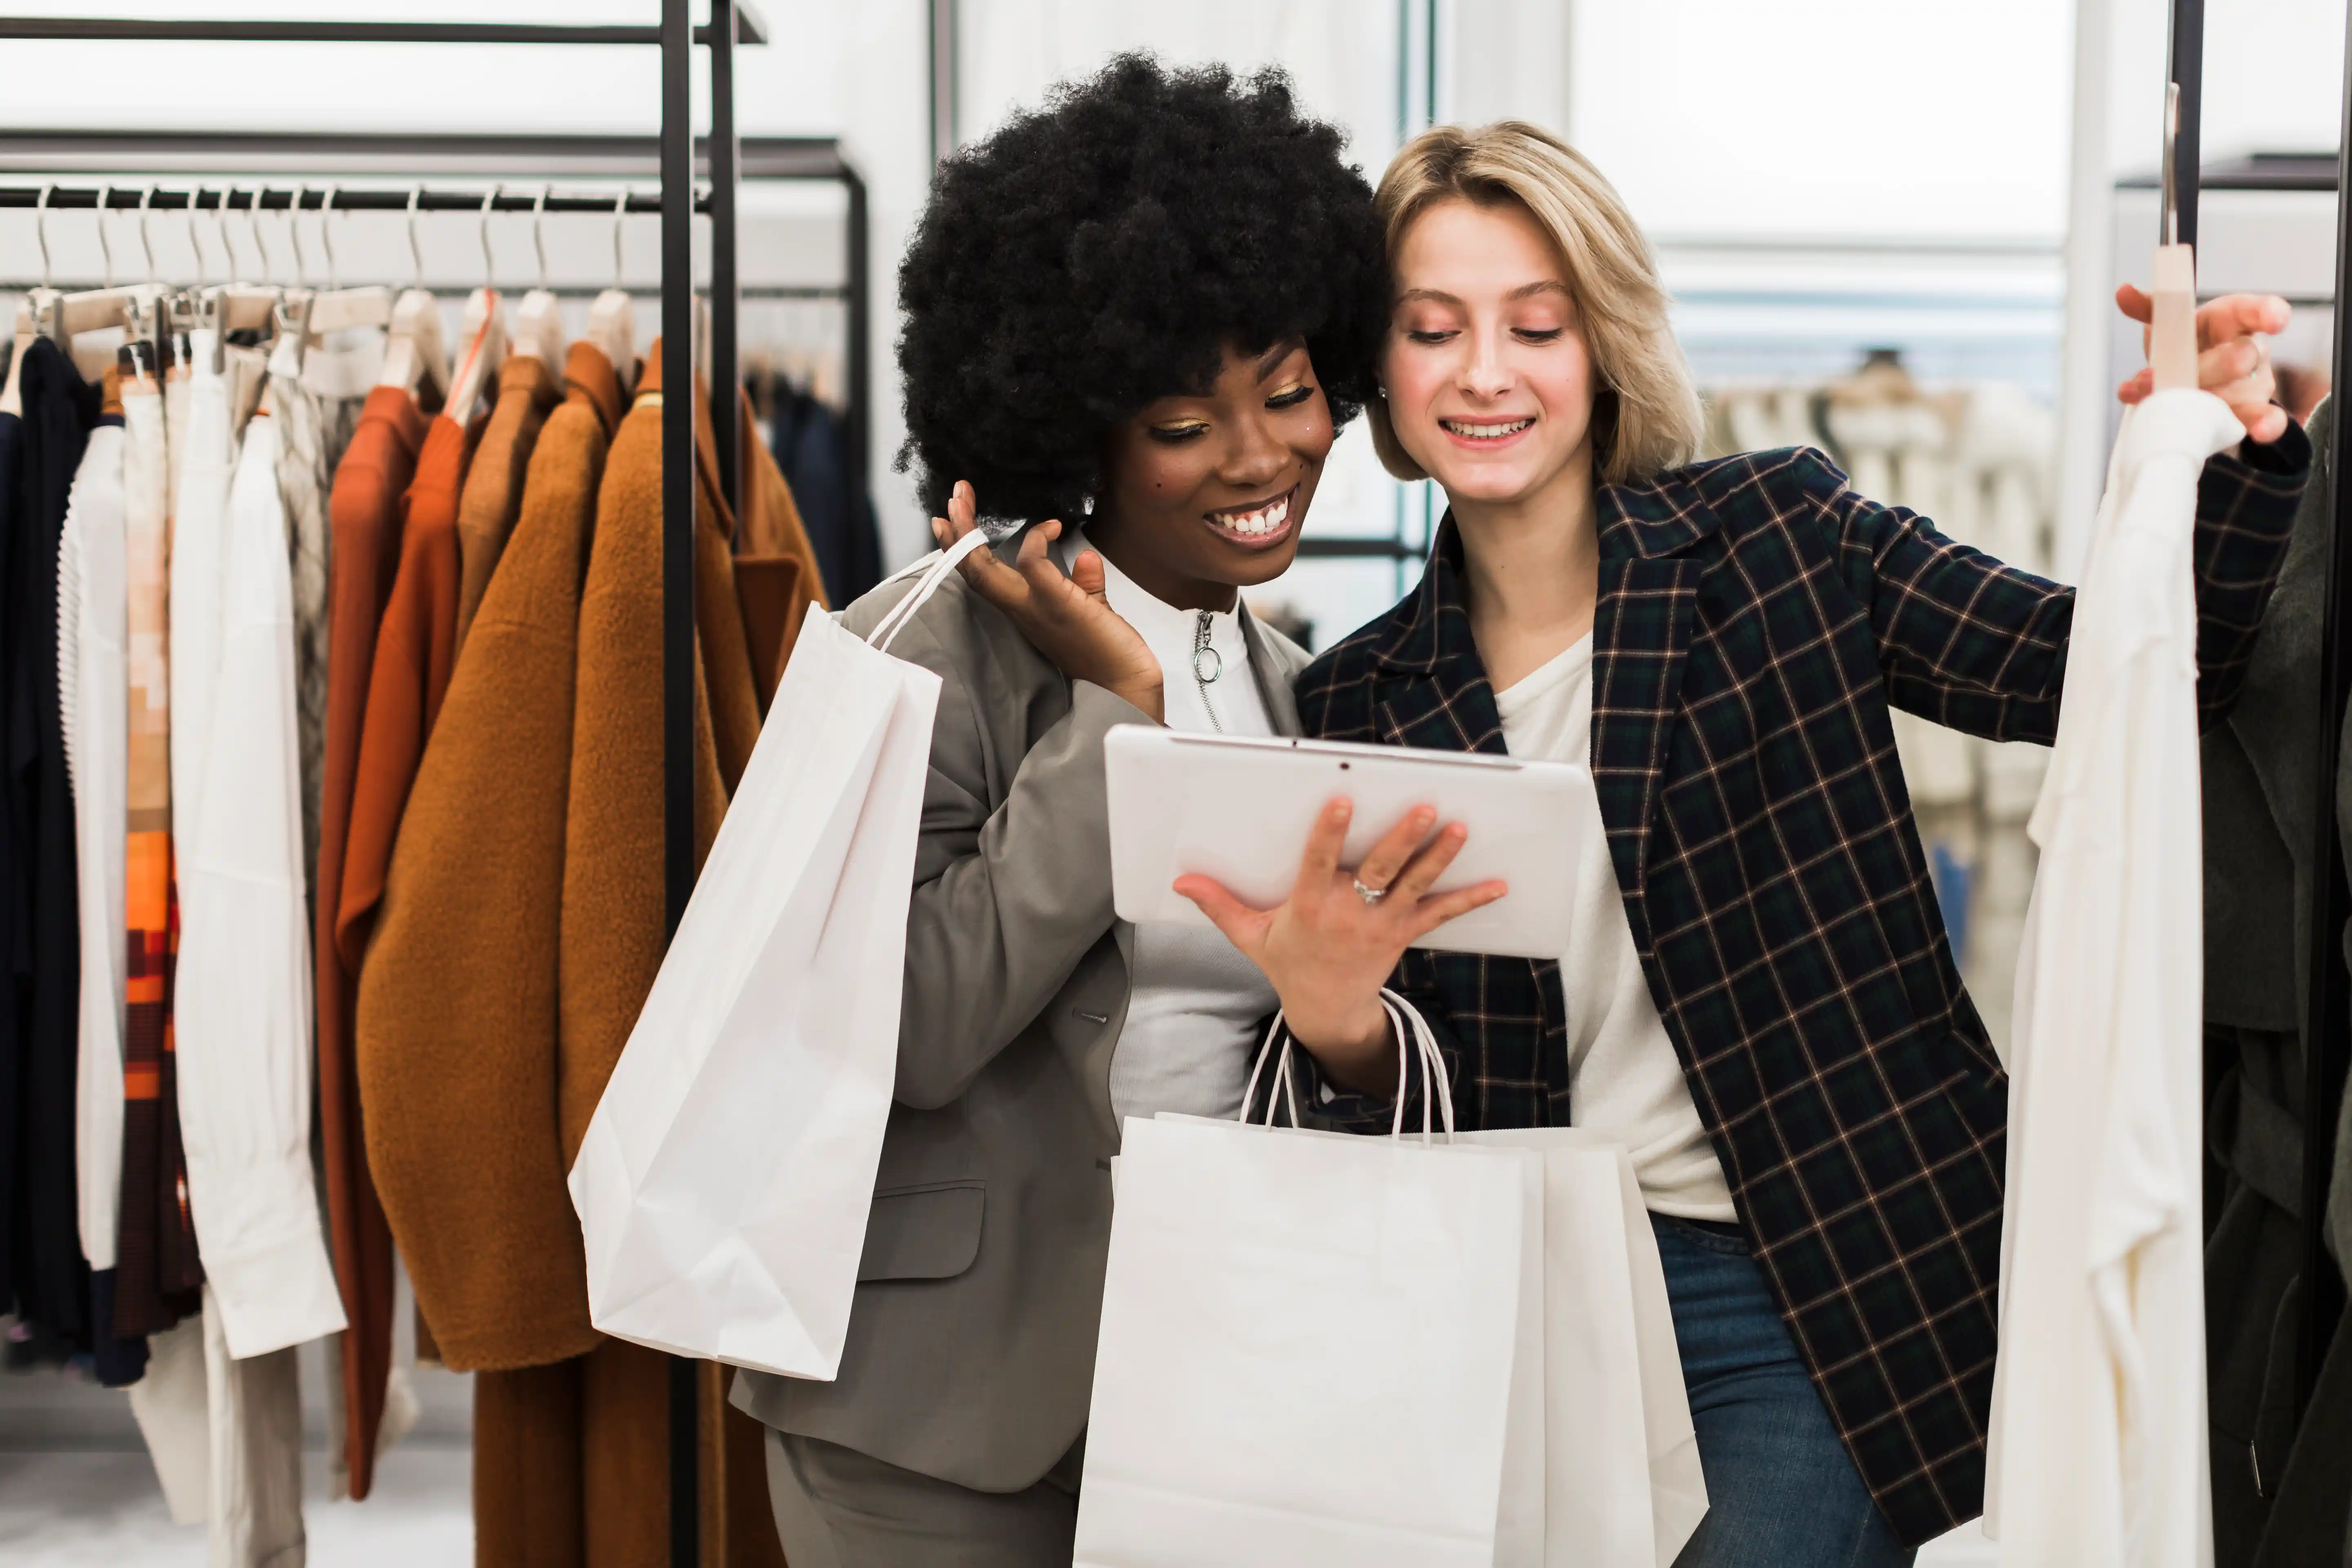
[613, 317]
[538, 324]
[484, 332]
[415, 359]
[340, 307]
[2172, 326]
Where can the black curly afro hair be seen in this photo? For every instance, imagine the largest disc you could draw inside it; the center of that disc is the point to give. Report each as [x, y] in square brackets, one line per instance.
[1097, 255]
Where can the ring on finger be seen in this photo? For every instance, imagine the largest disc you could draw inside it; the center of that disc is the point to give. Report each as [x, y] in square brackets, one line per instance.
[1370, 895]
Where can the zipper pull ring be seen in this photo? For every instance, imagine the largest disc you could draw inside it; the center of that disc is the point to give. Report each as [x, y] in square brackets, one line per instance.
[1202, 649]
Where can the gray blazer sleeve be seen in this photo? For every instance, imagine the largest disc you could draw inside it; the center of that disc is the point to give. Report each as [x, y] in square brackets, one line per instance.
[1008, 899]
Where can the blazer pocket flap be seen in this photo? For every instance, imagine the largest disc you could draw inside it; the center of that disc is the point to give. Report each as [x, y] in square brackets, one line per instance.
[923, 1233]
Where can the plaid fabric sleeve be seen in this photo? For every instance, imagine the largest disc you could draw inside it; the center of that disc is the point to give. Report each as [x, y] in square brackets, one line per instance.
[1961, 639]
[2246, 505]
[1981, 646]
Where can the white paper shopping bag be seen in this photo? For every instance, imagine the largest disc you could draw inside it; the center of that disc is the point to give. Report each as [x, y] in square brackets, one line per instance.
[725, 1179]
[1317, 1350]
[1624, 1488]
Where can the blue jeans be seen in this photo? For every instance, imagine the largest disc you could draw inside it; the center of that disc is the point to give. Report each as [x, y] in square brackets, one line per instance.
[1782, 1490]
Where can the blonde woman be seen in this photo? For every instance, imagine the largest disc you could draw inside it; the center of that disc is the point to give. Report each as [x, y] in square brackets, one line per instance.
[1761, 1002]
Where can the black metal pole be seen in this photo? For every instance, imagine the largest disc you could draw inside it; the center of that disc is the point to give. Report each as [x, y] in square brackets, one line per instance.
[726, 292]
[2186, 61]
[2327, 1015]
[861, 370]
[678, 640]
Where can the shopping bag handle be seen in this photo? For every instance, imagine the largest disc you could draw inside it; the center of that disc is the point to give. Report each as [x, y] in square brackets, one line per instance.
[936, 568]
[1413, 1036]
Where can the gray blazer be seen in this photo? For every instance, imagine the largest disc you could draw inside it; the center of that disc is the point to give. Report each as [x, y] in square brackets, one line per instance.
[971, 1343]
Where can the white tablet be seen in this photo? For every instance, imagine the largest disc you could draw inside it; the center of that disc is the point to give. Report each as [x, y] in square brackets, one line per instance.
[1240, 808]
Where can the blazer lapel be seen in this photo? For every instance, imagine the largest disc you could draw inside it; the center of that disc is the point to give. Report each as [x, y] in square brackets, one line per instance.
[1641, 632]
[1452, 708]
[1273, 672]
[1435, 693]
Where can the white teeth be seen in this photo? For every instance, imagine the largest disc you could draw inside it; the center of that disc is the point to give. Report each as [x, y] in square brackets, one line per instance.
[1486, 432]
[1266, 519]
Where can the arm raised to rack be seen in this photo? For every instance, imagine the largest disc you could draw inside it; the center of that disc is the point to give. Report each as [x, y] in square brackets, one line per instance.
[1981, 646]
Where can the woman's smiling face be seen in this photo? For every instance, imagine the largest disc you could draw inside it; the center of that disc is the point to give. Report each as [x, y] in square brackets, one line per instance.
[1488, 378]
[1206, 492]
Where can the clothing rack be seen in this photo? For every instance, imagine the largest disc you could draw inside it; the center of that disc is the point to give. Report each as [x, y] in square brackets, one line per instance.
[678, 202]
[381, 155]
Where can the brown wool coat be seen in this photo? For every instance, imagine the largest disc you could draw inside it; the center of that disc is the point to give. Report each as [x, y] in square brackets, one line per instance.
[557, 699]
[611, 944]
[612, 902]
[415, 653]
[488, 507]
[456, 1027]
[776, 576]
[364, 513]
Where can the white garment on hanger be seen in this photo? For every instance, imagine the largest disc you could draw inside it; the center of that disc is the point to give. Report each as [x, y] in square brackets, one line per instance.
[226, 1436]
[242, 991]
[93, 699]
[203, 458]
[2098, 1430]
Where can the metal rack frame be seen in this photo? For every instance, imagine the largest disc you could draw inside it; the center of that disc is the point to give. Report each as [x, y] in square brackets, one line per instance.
[675, 163]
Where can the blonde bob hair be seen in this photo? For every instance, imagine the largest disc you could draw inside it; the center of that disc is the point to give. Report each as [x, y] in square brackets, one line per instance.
[1645, 412]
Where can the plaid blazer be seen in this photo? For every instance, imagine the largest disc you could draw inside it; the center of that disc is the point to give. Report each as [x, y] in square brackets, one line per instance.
[1757, 620]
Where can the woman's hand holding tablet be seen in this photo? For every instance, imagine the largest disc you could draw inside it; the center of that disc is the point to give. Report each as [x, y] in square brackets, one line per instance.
[1331, 946]
[1322, 862]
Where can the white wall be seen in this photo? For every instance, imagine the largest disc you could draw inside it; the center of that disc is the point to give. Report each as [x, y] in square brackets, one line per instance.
[1910, 119]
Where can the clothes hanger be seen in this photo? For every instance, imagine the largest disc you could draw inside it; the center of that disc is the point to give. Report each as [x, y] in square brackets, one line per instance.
[93, 310]
[539, 323]
[613, 317]
[248, 306]
[2172, 319]
[483, 332]
[30, 310]
[290, 322]
[151, 310]
[340, 307]
[415, 359]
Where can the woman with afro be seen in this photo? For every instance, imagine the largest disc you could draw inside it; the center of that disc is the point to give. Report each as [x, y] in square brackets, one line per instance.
[1134, 320]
